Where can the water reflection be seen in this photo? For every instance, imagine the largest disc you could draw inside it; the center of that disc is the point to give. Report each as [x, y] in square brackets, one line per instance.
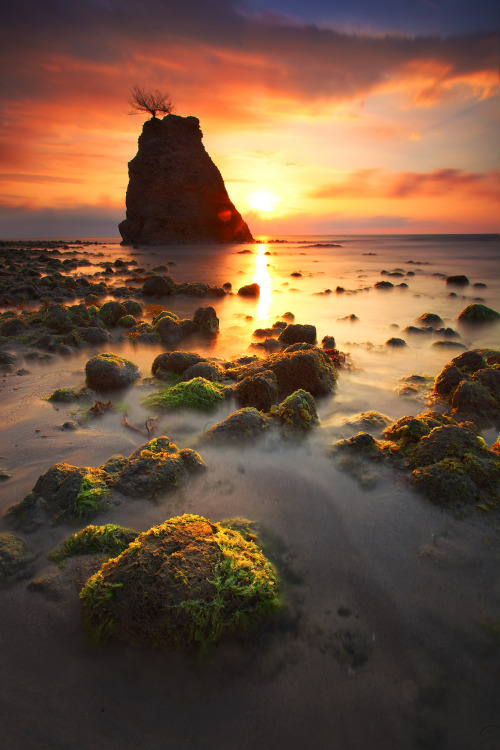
[263, 279]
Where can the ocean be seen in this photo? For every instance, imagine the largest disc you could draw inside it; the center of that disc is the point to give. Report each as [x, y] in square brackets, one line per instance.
[389, 636]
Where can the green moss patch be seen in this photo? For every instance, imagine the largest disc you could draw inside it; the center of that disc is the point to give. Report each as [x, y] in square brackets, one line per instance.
[197, 393]
[109, 539]
[93, 493]
[185, 582]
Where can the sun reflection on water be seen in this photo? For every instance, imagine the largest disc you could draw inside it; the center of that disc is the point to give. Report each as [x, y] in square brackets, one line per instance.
[263, 278]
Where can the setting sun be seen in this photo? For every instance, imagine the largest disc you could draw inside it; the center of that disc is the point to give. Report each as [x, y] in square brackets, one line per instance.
[263, 201]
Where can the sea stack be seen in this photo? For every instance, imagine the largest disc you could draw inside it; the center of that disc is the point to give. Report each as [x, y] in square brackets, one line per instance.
[176, 194]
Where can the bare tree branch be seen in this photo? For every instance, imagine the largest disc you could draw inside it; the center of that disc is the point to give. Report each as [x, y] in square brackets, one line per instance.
[154, 101]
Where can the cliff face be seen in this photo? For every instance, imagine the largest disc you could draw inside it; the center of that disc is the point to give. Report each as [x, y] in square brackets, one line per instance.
[176, 194]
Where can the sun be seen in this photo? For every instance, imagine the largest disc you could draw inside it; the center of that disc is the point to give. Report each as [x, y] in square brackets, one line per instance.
[263, 201]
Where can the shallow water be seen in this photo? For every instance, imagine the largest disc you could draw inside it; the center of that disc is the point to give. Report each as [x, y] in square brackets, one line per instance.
[385, 639]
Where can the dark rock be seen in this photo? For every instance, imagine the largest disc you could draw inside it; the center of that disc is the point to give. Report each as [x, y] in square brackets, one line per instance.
[295, 333]
[176, 193]
[13, 327]
[430, 319]
[173, 362]
[206, 321]
[16, 559]
[310, 369]
[111, 312]
[250, 290]
[395, 342]
[477, 313]
[155, 468]
[458, 280]
[94, 335]
[328, 342]
[108, 372]
[260, 390]
[158, 286]
[208, 370]
[64, 492]
[244, 424]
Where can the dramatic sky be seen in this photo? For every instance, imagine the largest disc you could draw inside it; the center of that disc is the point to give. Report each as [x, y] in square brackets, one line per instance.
[353, 115]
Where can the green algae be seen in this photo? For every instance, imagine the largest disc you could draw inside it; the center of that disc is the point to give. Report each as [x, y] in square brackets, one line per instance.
[197, 393]
[92, 495]
[185, 582]
[108, 539]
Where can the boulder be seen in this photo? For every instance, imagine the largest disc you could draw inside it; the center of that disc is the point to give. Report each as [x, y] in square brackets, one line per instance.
[155, 468]
[176, 194]
[309, 369]
[206, 321]
[173, 362]
[16, 559]
[184, 582]
[477, 313]
[111, 312]
[249, 290]
[158, 286]
[63, 492]
[108, 372]
[259, 390]
[295, 333]
[244, 424]
[297, 412]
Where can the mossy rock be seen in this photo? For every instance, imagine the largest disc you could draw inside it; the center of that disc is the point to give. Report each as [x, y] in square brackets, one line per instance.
[164, 314]
[108, 372]
[477, 313]
[242, 425]
[197, 393]
[297, 412]
[155, 468]
[309, 369]
[470, 383]
[211, 371]
[158, 286]
[132, 307]
[62, 493]
[259, 390]
[69, 395]
[174, 362]
[183, 583]
[127, 321]
[430, 319]
[111, 312]
[16, 559]
[109, 540]
[294, 333]
[372, 422]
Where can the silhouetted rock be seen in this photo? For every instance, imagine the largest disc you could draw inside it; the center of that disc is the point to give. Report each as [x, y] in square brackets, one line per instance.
[176, 194]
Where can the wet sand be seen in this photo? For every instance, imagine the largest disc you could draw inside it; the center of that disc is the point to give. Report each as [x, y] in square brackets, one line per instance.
[389, 632]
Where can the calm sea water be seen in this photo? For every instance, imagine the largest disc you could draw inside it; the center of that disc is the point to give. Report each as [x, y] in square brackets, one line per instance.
[390, 632]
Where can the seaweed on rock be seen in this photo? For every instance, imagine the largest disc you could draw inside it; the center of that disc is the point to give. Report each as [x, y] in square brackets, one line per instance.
[185, 582]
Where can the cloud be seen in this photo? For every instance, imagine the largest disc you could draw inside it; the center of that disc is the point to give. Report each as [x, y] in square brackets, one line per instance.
[94, 49]
[370, 183]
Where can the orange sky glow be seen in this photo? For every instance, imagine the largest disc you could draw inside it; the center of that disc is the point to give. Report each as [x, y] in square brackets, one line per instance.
[347, 133]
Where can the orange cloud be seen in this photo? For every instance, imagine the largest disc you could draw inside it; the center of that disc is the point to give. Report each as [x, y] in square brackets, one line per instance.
[370, 183]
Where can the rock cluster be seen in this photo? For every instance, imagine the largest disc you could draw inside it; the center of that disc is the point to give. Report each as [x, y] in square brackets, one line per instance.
[176, 194]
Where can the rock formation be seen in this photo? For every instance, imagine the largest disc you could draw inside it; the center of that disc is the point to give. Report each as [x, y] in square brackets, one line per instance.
[176, 194]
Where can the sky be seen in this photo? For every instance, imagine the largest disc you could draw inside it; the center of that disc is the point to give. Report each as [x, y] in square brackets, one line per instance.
[323, 116]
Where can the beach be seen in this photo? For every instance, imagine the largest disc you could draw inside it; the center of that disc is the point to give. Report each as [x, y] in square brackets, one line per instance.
[389, 632]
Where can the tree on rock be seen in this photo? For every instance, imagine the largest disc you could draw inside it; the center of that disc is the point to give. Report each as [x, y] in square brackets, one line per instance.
[150, 101]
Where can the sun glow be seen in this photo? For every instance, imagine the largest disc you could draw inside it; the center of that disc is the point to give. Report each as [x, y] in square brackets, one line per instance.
[263, 201]
[263, 278]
